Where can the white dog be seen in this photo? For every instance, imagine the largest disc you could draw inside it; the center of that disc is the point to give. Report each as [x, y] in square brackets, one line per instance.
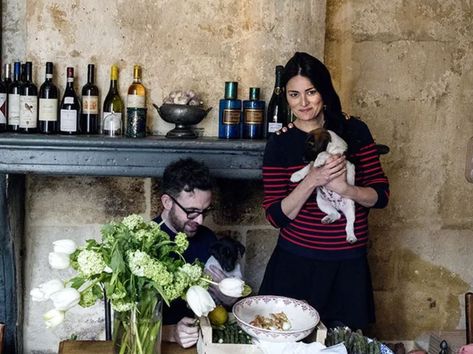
[323, 143]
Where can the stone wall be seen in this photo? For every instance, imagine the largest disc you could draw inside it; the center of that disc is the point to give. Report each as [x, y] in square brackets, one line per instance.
[190, 44]
[406, 69]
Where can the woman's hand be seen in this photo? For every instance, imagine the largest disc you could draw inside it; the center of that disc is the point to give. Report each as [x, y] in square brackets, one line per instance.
[338, 180]
[332, 170]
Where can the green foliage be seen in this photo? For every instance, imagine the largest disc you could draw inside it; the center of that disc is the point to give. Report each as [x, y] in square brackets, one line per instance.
[355, 342]
[133, 257]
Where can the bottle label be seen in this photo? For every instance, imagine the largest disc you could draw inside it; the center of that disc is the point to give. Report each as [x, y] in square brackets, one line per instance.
[112, 122]
[90, 105]
[14, 109]
[135, 122]
[136, 101]
[68, 120]
[253, 116]
[274, 127]
[231, 116]
[48, 109]
[3, 108]
[69, 100]
[28, 111]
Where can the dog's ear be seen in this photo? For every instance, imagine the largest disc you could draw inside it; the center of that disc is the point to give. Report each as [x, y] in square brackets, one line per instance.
[241, 249]
[317, 141]
[215, 248]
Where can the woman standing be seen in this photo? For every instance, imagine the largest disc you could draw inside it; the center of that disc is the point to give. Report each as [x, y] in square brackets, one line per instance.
[313, 261]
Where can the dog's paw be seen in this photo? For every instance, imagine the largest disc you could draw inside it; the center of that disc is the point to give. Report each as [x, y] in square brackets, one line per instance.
[351, 238]
[296, 177]
[330, 218]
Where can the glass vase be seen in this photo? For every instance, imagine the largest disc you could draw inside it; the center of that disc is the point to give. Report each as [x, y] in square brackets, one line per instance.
[138, 331]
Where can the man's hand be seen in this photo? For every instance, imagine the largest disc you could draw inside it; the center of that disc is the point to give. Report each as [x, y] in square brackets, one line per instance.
[217, 275]
[186, 332]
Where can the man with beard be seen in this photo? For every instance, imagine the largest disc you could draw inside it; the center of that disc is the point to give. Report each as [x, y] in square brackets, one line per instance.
[186, 196]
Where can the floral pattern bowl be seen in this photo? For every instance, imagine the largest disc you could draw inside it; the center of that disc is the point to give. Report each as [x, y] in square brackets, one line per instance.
[302, 317]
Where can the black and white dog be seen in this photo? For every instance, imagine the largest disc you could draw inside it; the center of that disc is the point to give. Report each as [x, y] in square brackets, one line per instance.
[320, 145]
[225, 255]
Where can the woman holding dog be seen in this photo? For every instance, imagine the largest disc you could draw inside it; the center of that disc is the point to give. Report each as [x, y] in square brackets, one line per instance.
[312, 260]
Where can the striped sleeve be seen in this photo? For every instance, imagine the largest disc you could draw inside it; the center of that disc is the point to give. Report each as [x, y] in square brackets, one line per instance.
[369, 172]
[276, 185]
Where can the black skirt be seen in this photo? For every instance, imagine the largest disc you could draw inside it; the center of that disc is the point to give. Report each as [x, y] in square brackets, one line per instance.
[341, 291]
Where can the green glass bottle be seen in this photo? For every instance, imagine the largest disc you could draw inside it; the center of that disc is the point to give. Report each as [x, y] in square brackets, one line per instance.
[112, 120]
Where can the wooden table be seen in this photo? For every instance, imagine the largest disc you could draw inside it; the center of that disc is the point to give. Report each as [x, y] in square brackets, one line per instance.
[106, 347]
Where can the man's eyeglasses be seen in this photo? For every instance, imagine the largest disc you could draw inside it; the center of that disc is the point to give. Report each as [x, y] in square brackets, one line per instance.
[191, 213]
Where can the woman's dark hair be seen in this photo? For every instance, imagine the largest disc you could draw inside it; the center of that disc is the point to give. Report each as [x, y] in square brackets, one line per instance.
[313, 69]
[185, 175]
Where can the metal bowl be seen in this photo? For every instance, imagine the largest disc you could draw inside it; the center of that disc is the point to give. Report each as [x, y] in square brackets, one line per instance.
[181, 113]
[182, 116]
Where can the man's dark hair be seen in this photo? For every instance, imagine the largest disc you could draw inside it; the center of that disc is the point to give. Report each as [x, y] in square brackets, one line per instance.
[185, 175]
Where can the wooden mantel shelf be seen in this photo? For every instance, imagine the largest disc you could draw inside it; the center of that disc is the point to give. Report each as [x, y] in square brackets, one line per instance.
[102, 156]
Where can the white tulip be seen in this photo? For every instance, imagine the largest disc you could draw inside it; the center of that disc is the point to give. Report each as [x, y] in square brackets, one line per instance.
[232, 287]
[53, 317]
[64, 246]
[65, 299]
[44, 291]
[199, 300]
[59, 260]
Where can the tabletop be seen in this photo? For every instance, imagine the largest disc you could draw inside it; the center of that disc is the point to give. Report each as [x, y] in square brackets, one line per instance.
[106, 347]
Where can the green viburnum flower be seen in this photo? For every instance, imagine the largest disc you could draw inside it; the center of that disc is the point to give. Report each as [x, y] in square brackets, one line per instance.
[87, 298]
[133, 221]
[121, 306]
[90, 262]
[193, 271]
[142, 265]
[181, 242]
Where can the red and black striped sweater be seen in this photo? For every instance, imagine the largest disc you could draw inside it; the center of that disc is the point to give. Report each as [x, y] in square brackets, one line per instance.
[306, 235]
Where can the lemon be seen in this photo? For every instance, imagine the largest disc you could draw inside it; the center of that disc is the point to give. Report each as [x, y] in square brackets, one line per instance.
[218, 316]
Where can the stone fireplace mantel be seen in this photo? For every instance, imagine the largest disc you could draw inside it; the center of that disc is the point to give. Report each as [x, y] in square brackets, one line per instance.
[99, 156]
[91, 156]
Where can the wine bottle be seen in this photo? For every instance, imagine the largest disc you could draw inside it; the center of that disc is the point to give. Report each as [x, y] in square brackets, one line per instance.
[89, 121]
[14, 99]
[4, 89]
[277, 113]
[230, 113]
[70, 107]
[253, 115]
[48, 103]
[3, 106]
[7, 75]
[136, 107]
[112, 124]
[28, 102]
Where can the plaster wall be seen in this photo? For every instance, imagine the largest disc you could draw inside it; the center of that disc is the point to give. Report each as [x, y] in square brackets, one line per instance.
[189, 44]
[405, 67]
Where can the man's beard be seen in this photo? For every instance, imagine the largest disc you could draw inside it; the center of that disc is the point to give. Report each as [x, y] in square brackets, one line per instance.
[187, 226]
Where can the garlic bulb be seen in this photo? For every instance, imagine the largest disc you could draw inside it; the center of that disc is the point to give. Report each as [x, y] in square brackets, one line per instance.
[188, 97]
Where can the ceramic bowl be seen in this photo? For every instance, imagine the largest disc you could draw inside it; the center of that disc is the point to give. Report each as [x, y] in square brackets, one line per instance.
[302, 317]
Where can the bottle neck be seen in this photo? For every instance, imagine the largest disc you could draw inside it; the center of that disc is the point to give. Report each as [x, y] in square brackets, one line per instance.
[114, 85]
[7, 72]
[17, 72]
[90, 74]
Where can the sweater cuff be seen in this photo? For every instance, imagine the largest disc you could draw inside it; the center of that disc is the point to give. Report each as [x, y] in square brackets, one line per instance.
[276, 216]
[383, 197]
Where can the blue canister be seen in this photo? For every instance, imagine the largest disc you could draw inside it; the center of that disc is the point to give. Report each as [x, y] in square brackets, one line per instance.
[229, 125]
[253, 115]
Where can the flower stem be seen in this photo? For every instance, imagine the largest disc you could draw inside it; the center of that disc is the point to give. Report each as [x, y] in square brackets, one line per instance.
[209, 281]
